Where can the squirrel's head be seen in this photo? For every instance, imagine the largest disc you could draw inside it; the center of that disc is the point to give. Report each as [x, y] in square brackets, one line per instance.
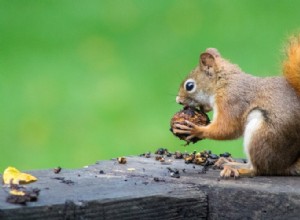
[198, 89]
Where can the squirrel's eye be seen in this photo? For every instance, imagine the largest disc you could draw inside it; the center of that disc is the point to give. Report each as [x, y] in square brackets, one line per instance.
[190, 85]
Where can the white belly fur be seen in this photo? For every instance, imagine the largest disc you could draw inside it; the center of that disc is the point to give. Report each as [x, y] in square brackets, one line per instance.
[254, 122]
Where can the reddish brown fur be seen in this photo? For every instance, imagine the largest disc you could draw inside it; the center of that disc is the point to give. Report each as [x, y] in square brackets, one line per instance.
[265, 110]
[291, 67]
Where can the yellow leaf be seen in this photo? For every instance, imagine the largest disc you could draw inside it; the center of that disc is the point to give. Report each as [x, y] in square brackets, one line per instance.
[12, 175]
[16, 192]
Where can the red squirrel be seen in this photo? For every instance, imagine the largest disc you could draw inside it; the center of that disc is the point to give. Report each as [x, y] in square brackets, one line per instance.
[265, 111]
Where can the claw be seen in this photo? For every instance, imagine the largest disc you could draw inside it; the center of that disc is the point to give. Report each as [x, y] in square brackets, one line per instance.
[178, 131]
[188, 138]
[229, 172]
[192, 125]
[182, 127]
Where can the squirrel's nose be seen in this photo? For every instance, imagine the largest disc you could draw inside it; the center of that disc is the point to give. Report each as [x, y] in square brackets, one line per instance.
[178, 100]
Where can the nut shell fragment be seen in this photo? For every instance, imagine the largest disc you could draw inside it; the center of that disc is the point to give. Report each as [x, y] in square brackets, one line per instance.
[12, 175]
[122, 160]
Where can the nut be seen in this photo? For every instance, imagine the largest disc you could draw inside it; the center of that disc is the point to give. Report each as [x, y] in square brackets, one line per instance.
[189, 114]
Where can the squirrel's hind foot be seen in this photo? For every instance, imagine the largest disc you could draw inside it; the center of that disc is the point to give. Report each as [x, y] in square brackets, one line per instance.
[229, 171]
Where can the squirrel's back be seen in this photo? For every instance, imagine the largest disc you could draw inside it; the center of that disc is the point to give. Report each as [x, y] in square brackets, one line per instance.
[291, 66]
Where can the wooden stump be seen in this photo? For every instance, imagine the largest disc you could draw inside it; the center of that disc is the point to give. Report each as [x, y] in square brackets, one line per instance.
[143, 189]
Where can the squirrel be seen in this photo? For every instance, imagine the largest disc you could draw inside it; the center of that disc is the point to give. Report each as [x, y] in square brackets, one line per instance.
[264, 110]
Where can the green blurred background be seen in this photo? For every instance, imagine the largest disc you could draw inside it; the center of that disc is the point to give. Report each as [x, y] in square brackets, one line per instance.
[87, 80]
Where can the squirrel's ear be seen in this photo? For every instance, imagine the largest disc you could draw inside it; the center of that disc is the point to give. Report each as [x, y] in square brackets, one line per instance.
[213, 51]
[207, 59]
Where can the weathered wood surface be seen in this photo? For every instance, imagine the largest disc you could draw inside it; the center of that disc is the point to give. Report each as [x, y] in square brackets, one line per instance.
[149, 192]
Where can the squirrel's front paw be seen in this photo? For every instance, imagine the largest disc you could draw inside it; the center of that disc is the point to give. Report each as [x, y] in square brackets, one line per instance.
[191, 130]
[228, 171]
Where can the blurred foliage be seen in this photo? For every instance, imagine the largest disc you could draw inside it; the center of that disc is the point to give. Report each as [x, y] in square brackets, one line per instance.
[87, 80]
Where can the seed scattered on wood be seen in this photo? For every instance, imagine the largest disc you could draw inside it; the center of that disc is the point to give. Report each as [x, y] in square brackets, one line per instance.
[178, 155]
[156, 179]
[63, 180]
[131, 169]
[159, 157]
[174, 172]
[200, 160]
[162, 159]
[213, 156]
[122, 160]
[169, 154]
[189, 159]
[204, 158]
[57, 170]
[147, 155]
[226, 154]
[161, 151]
[21, 195]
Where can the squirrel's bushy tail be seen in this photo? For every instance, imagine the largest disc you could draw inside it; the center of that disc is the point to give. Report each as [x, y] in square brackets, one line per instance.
[291, 66]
